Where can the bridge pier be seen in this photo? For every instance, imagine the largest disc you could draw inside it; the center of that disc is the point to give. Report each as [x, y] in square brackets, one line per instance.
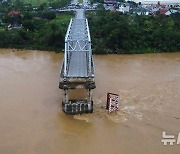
[65, 96]
[74, 86]
[77, 106]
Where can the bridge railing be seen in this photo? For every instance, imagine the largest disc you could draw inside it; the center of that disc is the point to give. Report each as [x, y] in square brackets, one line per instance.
[66, 48]
[90, 50]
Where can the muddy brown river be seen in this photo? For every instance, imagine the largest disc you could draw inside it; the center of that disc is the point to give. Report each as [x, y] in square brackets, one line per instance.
[32, 121]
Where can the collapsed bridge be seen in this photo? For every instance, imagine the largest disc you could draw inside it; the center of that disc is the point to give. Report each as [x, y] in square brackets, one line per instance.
[77, 69]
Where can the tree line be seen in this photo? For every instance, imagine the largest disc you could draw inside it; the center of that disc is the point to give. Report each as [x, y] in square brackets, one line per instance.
[41, 28]
[111, 32]
[115, 33]
[45, 33]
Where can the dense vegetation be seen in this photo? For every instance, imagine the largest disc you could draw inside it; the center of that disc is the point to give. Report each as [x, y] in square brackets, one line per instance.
[38, 33]
[42, 28]
[115, 33]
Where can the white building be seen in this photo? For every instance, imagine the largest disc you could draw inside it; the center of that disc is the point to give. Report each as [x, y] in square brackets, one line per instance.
[173, 10]
[123, 8]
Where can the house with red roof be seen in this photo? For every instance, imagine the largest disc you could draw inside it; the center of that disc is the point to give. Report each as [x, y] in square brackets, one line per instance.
[165, 12]
[162, 12]
[12, 13]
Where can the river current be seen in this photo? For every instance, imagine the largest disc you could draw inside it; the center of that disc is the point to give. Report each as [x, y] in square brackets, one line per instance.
[32, 121]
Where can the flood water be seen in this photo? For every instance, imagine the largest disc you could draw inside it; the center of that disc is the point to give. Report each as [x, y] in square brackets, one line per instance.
[32, 121]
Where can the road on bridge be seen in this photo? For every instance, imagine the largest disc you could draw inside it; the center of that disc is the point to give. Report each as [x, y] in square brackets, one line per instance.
[78, 46]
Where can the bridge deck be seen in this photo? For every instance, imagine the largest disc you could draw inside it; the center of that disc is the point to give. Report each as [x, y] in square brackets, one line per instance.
[78, 66]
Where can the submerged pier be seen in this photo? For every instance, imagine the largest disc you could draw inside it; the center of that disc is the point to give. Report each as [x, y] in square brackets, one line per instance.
[77, 69]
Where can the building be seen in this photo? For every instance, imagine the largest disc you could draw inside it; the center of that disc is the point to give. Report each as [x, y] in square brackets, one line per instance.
[165, 12]
[14, 26]
[124, 8]
[141, 11]
[12, 13]
[174, 10]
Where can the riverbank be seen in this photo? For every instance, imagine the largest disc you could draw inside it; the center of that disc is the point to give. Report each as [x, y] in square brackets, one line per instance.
[111, 33]
[61, 51]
